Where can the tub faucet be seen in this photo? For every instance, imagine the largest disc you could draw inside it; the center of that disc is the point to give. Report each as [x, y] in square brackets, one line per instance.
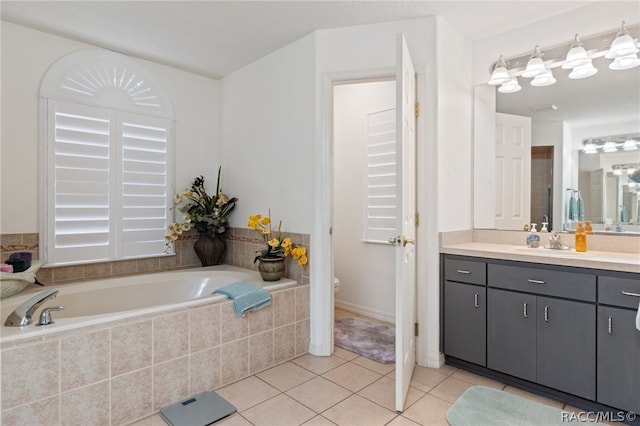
[23, 313]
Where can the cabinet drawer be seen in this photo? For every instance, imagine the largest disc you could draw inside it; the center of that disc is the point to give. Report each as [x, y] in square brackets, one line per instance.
[465, 271]
[610, 291]
[572, 285]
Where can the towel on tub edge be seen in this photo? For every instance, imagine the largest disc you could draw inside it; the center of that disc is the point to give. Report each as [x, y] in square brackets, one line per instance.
[246, 297]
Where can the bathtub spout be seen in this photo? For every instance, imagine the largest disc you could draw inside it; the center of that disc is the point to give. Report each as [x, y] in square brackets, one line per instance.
[23, 313]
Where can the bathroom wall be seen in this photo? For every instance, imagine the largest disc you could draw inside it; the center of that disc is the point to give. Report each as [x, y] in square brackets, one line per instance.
[26, 56]
[366, 270]
[545, 134]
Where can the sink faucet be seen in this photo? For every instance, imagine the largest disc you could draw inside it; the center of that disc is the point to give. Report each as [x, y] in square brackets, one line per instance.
[23, 313]
[554, 241]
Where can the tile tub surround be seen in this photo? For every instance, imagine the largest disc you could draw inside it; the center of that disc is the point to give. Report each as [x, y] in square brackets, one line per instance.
[125, 370]
[242, 245]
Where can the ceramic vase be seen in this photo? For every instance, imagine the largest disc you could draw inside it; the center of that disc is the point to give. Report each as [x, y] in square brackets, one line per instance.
[271, 268]
[209, 249]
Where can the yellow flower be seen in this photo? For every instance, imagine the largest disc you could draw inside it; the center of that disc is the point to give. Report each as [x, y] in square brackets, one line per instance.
[186, 227]
[265, 221]
[303, 260]
[299, 252]
[186, 218]
[273, 242]
[222, 199]
[253, 221]
[286, 242]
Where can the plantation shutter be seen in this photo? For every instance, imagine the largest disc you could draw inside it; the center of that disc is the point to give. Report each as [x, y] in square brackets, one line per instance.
[108, 198]
[380, 211]
[144, 194]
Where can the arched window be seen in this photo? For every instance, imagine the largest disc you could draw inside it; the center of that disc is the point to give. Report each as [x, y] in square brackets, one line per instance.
[107, 132]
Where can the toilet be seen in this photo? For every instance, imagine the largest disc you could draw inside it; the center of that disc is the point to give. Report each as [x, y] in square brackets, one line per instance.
[336, 285]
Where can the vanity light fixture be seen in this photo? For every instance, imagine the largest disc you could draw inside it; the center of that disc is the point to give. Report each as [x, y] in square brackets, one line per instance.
[590, 148]
[625, 62]
[623, 45]
[583, 71]
[500, 73]
[630, 145]
[535, 66]
[544, 79]
[576, 56]
[510, 86]
[609, 146]
[628, 169]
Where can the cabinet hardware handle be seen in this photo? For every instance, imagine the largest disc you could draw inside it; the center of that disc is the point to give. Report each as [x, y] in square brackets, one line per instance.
[536, 281]
[627, 293]
[610, 328]
[475, 301]
[546, 314]
[524, 310]
[462, 271]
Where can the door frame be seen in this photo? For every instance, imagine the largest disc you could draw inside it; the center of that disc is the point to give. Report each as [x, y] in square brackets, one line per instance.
[428, 276]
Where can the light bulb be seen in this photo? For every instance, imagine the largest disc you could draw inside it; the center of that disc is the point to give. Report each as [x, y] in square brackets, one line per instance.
[500, 73]
[583, 71]
[590, 148]
[576, 56]
[609, 147]
[544, 79]
[623, 45]
[625, 62]
[629, 145]
[510, 86]
[535, 66]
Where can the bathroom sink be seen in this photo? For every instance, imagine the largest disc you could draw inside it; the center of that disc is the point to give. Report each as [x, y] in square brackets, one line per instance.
[542, 251]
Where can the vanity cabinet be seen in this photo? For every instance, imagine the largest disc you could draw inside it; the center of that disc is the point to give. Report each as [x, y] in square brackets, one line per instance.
[618, 343]
[543, 339]
[465, 313]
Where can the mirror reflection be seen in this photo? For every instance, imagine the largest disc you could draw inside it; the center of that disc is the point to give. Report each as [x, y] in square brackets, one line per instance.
[565, 118]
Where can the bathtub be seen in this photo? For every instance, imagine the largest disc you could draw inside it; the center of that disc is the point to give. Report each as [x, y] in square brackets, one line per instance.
[100, 301]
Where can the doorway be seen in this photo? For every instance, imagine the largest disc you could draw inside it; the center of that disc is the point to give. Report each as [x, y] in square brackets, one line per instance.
[542, 185]
[364, 131]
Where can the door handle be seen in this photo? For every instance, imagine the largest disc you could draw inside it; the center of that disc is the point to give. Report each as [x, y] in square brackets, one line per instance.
[536, 281]
[524, 310]
[546, 314]
[476, 303]
[406, 241]
[628, 293]
[394, 241]
[610, 326]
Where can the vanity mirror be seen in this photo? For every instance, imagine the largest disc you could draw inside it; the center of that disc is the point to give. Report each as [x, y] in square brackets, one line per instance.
[563, 116]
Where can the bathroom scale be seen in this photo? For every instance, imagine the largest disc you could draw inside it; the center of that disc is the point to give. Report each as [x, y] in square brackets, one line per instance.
[199, 410]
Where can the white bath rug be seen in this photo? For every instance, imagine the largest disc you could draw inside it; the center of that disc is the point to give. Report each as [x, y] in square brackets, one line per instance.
[369, 339]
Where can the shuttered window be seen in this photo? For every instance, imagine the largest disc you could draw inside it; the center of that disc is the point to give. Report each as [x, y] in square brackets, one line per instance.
[380, 202]
[107, 189]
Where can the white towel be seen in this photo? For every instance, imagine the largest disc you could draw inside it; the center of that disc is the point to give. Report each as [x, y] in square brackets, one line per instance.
[638, 318]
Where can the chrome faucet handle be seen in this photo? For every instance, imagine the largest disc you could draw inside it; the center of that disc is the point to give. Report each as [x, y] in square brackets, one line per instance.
[45, 315]
[21, 316]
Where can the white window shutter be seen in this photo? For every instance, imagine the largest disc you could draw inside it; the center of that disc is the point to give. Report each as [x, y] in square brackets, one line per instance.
[80, 162]
[144, 184]
[380, 202]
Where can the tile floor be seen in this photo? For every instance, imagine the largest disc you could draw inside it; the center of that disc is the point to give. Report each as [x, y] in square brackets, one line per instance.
[346, 390]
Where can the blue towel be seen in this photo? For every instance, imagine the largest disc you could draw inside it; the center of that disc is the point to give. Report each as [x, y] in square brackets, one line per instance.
[246, 297]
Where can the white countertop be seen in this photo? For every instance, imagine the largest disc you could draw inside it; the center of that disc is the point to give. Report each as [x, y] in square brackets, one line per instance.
[607, 260]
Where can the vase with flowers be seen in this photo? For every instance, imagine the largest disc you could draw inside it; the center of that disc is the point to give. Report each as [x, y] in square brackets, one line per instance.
[278, 247]
[208, 214]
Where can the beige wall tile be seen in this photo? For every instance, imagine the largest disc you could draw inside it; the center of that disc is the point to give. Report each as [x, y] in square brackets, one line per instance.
[97, 270]
[130, 347]
[123, 267]
[170, 382]
[68, 273]
[25, 366]
[233, 326]
[302, 302]
[131, 396]
[170, 336]
[235, 360]
[261, 320]
[302, 337]
[260, 351]
[284, 343]
[86, 406]
[204, 327]
[43, 412]
[84, 359]
[204, 370]
[284, 307]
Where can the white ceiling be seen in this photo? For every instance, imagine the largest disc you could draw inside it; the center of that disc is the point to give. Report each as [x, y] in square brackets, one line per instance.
[215, 38]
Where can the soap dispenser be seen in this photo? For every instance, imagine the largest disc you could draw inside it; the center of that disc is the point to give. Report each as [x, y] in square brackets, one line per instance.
[533, 239]
[581, 238]
[544, 227]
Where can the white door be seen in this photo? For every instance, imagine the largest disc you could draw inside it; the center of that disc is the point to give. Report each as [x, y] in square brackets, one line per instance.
[406, 225]
[513, 171]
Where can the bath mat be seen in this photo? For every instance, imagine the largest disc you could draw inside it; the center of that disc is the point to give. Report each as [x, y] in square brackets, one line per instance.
[369, 339]
[480, 405]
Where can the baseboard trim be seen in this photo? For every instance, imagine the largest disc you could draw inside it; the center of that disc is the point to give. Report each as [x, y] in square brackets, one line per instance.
[363, 310]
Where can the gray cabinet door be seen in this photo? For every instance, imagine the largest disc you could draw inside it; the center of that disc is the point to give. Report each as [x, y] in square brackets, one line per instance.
[566, 350]
[465, 322]
[511, 333]
[618, 359]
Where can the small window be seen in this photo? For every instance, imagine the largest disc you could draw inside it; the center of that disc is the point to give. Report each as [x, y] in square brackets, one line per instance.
[380, 202]
[108, 166]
